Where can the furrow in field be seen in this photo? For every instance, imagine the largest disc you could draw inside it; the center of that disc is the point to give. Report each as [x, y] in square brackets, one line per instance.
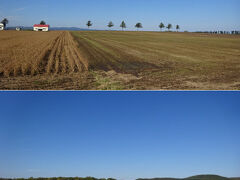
[81, 60]
[70, 59]
[107, 56]
[64, 61]
[76, 66]
[61, 67]
[39, 65]
[58, 54]
[97, 57]
[53, 56]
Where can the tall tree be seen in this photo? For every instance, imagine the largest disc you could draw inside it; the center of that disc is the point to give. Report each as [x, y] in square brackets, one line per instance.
[138, 25]
[169, 26]
[123, 25]
[110, 24]
[161, 26]
[89, 23]
[177, 27]
[5, 22]
[43, 23]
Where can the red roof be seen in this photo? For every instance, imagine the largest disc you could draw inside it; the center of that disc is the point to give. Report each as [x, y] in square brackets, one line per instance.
[39, 25]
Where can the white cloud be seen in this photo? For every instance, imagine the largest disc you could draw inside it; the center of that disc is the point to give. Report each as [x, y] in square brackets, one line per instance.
[20, 9]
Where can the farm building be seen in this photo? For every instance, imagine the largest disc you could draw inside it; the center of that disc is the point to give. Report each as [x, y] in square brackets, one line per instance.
[40, 27]
[1, 26]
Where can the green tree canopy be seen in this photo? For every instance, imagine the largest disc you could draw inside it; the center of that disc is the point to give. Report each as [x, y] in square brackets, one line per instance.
[110, 24]
[43, 23]
[123, 25]
[89, 23]
[161, 26]
[5, 22]
[169, 26]
[138, 25]
[177, 27]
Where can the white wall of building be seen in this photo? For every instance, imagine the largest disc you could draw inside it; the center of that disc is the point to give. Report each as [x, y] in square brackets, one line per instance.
[1, 26]
[40, 29]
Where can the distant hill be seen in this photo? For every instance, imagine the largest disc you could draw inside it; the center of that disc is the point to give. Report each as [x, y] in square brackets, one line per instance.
[59, 178]
[68, 29]
[206, 177]
[198, 177]
[160, 179]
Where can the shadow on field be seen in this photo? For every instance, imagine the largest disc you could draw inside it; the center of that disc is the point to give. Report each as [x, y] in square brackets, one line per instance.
[104, 57]
[132, 67]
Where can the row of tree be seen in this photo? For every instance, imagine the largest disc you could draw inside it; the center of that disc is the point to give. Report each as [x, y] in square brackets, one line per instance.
[138, 25]
[59, 178]
[220, 32]
[5, 22]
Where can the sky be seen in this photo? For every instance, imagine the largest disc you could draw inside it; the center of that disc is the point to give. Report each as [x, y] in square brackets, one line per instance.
[125, 135]
[191, 15]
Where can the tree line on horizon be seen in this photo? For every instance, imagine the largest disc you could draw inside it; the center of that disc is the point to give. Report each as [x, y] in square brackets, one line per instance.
[139, 25]
[197, 177]
[59, 178]
[219, 32]
[161, 26]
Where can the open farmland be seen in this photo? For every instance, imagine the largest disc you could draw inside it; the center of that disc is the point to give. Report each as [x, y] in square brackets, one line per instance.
[31, 60]
[165, 60]
[29, 53]
[118, 60]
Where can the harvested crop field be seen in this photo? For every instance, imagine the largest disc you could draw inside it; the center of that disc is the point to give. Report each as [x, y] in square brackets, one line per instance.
[28, 53]
[118, 60]
[165, 60]
[38, 60]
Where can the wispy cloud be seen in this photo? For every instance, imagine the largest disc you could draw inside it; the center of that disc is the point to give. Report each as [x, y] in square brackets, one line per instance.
[20, 9]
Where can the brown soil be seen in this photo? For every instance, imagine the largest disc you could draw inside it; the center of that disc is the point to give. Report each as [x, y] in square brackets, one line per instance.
[104, 60]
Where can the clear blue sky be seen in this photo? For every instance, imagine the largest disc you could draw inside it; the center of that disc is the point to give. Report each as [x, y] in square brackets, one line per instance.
[191, 15]
[119, 134]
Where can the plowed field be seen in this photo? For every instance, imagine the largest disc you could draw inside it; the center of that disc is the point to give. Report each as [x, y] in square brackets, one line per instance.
[164, 60]
[42, 53]
[118, 60]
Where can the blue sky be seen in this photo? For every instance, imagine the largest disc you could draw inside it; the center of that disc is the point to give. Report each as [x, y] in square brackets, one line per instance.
[191, 15]
[125, 135]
